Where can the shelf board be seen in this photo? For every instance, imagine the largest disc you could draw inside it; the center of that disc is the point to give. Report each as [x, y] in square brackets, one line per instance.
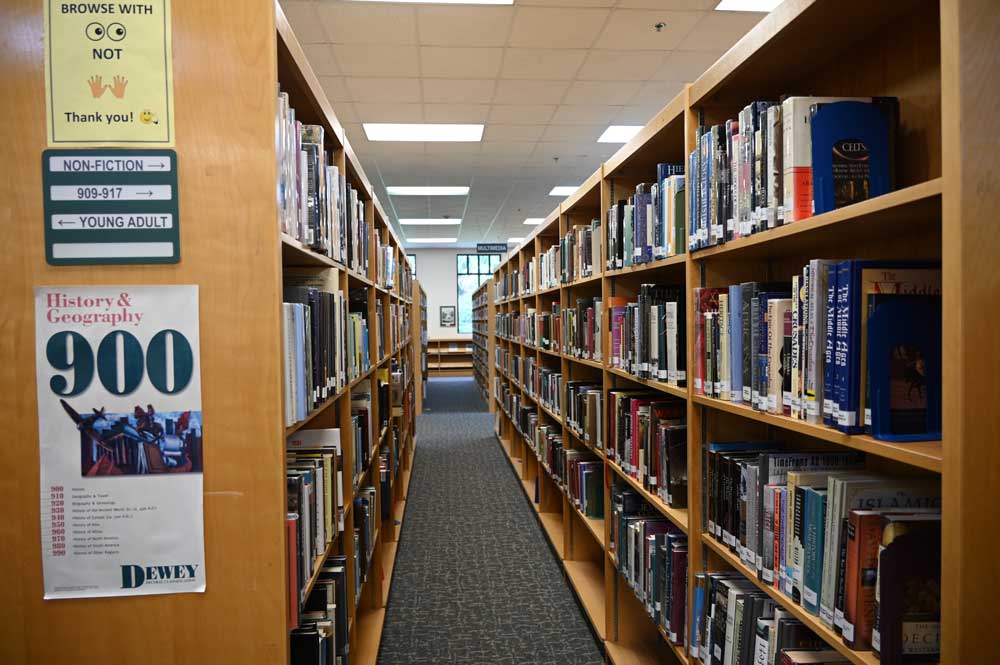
[594, 524]
[620, 653]
[583, 361]
[678, 649]
[927, 455]
[657, 385]
[678, 516]
[369, 623]
[587, 577]
[813, 622]
[294, 253]
[548, 352]
[676, 260]
[900, 214]
[326, 404]
[583, 280]
[549, 412]
[587, 196]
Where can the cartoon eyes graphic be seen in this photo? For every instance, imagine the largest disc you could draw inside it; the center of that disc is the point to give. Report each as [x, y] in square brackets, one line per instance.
[96, 32]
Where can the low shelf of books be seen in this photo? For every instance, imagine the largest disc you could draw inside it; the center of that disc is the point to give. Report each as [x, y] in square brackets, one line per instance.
[482, 339]
[450, 357]
[348, 387]
[420, 345]
[721, 384]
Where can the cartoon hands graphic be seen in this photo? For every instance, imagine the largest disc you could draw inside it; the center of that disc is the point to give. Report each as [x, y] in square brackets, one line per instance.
[118, 89]
[97, 86]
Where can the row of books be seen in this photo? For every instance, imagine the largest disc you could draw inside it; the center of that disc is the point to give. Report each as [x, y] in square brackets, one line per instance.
[782, 162]
[316, 204]
[579, 251]
[385, 266]
[527, 276]
[853, 344]
[399, 323]
[366, 519]
[583, 402]
[648, 335]
[733, 622]
[650, 552]
[788, 515]
[325, 343]
[649, 225]
[582, 327]
[320, 634]
[545, 385]
[363, 427]
[650, 442]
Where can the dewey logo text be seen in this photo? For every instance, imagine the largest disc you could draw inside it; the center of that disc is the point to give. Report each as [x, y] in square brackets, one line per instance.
[134, 576]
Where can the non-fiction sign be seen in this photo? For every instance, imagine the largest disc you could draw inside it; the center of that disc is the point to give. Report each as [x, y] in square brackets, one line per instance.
[120, 440]
[108, 205]
[491, 248]
[108, 73]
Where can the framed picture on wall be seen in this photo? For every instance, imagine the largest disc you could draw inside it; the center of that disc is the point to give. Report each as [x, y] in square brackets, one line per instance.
[447, 316]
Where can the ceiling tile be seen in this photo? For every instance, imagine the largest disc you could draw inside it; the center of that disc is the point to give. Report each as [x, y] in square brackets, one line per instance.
[336, 89]
[672, 5]
[377, 60]
[523, 148]
[469, 91]
[539, 63]
[634, 114]
[345, 112]
[456, 25]
[590, 114]
[389, 112]
[686, 65]
[368, 23]
[588, 133]
[597, 92]
[547, 27]
[460, 63]
[456, 113]
[633, 29]
[384, 89]
[500, 132]
[620, 65]
[320, 57]
[521, 114]
[514, 91]
[304, 20]
[720, 30]
[568, 150]
[568, 3]
[657, 93]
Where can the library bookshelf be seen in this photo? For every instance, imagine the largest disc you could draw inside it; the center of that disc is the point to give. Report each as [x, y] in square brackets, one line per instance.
[449, 357]
[232, 248]
[483, 342]
[419, 316]
[805, 47]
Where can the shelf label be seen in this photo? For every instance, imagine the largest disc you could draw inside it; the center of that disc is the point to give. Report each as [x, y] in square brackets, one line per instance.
[108, 73]
[108, 206]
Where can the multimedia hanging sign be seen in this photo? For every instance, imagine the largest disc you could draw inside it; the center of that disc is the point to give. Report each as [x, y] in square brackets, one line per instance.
[120, 436]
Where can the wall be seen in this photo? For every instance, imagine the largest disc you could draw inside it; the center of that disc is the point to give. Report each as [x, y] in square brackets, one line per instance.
[436, 272]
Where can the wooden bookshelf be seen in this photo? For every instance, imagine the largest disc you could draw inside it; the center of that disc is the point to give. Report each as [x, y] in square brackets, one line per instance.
[937, 211]
[449, 357]
[483, 342]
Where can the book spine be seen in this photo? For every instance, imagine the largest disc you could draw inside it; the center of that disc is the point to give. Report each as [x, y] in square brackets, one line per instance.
[829, 335]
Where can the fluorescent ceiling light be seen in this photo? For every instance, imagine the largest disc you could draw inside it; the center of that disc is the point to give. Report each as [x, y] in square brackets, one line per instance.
[514, 240]
[449, 2]
[430, 222]
[747, 5]
[563, 190]
[428, 241]
[421, 131]
[534, 221]
[427, 191]
[619, 133]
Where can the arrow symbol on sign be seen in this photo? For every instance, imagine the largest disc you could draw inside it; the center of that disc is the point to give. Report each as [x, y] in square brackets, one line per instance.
[63, 223]
[149, 193]
[161, 165]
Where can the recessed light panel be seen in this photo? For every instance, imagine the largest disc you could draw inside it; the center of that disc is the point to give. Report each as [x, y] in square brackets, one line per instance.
[430, 222]
[563, 190]
[619, 133]
[534, 221]
[427, 191]
[747, 5]
[429, 241]
[422, 132]
[514, 240]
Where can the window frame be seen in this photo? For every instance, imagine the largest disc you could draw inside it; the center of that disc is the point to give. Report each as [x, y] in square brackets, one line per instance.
[491, 260]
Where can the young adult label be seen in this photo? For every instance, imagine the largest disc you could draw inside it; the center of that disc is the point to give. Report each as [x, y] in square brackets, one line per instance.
[110, 206]
[108, 73]
[120, 439]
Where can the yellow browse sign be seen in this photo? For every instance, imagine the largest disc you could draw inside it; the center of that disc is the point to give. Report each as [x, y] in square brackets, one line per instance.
[108, 73]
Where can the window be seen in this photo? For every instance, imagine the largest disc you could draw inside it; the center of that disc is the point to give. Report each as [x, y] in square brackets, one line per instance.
[412, 258]
[472, 270]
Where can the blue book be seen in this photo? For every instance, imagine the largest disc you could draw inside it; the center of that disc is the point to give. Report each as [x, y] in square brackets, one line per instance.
[814, 529]
[697, 608]
[736, 342]
[904, 362]
[829, 366]
[842, 349]
[851, 153]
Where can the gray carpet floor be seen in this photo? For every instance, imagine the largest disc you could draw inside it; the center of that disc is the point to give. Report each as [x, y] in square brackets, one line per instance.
[475, 578]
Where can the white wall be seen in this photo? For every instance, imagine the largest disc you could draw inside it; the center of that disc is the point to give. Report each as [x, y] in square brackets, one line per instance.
[436, 274]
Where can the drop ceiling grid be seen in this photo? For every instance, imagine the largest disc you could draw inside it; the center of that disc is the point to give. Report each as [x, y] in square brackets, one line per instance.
[530, 72]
